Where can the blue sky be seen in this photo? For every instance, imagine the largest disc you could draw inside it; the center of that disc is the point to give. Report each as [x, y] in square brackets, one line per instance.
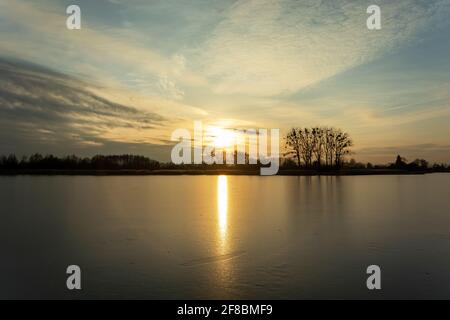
[240, 64]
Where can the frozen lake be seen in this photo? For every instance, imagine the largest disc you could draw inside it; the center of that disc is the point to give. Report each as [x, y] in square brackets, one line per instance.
[227, 237]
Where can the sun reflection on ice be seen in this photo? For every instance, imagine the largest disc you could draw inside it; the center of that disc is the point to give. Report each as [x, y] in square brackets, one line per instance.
[222, 206]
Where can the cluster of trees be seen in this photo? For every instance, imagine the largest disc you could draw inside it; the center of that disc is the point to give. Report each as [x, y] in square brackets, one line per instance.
[418, 164]
[400, 163]
[440, 167]
[318, 146]
[50, 162]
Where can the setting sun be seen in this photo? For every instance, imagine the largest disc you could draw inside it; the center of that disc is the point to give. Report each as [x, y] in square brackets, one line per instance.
[221, 138]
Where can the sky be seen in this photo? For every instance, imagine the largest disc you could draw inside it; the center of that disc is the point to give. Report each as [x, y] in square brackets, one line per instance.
[137, 70]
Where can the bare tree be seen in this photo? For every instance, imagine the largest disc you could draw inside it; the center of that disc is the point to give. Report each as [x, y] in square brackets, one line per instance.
[307, 140]
[294, 144]
[318, 144]
[329, 146]
[313, 145]
[342, 144]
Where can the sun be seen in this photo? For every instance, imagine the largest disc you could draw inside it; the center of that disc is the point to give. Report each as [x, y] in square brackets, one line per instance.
[222, 138]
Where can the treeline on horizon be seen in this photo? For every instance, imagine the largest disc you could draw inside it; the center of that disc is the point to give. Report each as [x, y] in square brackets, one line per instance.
[98, 162]
[136, 162]
[317, 148]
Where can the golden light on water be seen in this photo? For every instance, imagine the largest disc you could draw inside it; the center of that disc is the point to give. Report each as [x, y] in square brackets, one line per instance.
[222, 204]
[224, 266]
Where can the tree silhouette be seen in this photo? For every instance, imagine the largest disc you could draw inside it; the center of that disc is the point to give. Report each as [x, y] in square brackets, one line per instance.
[314, 145]
[99, 162]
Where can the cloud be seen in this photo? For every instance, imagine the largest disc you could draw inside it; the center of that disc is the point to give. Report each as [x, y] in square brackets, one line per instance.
[170, 89]
[39, 107]
[278, 47]
[96, 53]
[429, 151]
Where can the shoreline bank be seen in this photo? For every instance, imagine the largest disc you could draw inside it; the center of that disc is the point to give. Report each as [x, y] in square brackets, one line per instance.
[171, 172]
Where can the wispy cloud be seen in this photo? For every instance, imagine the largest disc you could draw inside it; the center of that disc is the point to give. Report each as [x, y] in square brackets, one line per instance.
[48, 106]
[93, 53]
[275, 47]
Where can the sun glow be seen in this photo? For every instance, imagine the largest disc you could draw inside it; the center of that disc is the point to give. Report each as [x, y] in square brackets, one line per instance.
[221, 138]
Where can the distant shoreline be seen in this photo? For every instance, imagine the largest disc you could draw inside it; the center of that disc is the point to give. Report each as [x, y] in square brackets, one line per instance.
[172, 172]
